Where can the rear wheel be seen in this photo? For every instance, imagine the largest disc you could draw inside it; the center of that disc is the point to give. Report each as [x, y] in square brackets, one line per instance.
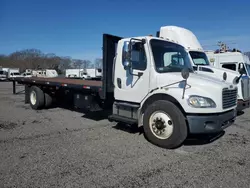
[164, 124]
[36, 98]
[48, 100]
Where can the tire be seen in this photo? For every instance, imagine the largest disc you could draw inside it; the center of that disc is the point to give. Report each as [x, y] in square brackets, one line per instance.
[37, 94]
[178, 129]
[48, 100]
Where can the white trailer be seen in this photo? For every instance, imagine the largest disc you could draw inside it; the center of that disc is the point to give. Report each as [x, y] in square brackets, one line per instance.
[76, 73]
[94, 73]
[13, 73]
[45, 73]
[200, 62]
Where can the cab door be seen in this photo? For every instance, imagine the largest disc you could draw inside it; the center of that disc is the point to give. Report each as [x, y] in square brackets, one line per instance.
[132, 85]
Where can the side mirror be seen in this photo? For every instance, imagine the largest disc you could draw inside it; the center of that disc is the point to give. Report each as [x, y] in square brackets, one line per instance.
[237, 78]
[185, 73]
[126, 56]
[242, 71]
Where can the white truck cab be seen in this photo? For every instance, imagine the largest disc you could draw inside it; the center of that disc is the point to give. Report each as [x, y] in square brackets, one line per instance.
[229, 59]
[201, 63]
[234, 61]
[76, 73]
[154, 83]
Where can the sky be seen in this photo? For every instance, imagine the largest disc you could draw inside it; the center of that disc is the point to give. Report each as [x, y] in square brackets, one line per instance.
[75, 27]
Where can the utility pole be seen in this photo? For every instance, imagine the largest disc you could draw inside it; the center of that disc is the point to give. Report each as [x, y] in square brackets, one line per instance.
[223, 46]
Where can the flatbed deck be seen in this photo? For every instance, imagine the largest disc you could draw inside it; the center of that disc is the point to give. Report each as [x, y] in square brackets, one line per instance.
[61, 82]
[103, 87]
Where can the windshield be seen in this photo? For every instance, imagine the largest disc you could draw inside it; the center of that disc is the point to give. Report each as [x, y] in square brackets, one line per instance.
[16, 73]
[169, 57]
[1, 72]
[199, 58]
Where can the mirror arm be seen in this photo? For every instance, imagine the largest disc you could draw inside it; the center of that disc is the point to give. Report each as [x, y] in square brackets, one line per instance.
[237, 80]
[171, 84]
[184, 89]
[139, 73]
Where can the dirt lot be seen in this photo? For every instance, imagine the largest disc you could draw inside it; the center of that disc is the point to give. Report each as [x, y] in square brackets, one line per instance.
[63, 148]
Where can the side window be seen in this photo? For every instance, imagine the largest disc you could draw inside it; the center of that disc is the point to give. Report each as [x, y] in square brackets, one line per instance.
[138, 57]
[229, 66]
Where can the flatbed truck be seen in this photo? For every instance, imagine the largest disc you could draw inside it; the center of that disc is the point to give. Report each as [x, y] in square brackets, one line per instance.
[141, 86]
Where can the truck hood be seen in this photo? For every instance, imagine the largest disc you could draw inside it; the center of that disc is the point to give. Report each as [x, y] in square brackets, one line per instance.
[197, 84]
[218, 73]
[194, 79]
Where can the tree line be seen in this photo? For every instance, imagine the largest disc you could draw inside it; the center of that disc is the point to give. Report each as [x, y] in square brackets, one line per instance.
[36, 59]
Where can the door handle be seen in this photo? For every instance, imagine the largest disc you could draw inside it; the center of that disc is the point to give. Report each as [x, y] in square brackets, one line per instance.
[119, 82]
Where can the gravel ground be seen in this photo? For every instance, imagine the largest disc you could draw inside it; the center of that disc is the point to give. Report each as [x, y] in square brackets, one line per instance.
[63, 148]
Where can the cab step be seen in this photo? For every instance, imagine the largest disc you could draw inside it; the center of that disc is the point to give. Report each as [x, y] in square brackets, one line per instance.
[123, 119]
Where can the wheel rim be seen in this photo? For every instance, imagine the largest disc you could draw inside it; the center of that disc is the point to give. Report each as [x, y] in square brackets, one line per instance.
[161, 125]
[33, 98]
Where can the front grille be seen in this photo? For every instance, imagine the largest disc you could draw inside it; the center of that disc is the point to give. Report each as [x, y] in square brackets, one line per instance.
[229, 98]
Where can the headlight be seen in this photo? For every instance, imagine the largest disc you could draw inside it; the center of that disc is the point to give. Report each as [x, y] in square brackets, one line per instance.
[201, 102]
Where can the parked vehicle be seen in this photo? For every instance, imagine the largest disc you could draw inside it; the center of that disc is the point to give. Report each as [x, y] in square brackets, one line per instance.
[234, 61]
[26, 74]
[141, 86]
[201, 64]
[28, 71]
[3, 75]
[229, 59]
[13, 73]
[76, 73]
[49, 73]
[94, 73]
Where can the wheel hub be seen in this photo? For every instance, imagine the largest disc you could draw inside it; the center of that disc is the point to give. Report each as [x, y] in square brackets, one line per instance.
[161, 125]
[33, 98]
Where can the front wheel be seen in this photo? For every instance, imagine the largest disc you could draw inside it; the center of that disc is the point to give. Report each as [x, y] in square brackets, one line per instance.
[164, 124]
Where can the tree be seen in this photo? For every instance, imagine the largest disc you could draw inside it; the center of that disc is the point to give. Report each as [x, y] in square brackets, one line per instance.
[98, 63]
[35, 59]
